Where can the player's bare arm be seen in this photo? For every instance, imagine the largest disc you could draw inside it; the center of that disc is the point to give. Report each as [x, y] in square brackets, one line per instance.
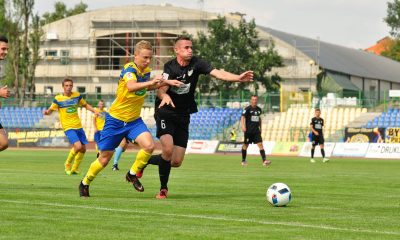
[90, 108]
[243, 123]
[47, 111]
[4, 92]
[94, 124]
[134, 86]
[313, 130]
[165, 98]
[165, 83]
[230, 77]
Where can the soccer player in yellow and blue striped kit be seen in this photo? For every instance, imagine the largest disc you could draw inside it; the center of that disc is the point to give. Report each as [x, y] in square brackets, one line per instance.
[67, 104]
[98, 121]
[123, 118]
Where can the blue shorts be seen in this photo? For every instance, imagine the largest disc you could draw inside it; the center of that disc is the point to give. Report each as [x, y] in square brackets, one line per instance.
[97, 136]
[115, 130]
[75, 135]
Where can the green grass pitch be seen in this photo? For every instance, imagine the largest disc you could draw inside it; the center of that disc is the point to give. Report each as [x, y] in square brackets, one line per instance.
[211, 197]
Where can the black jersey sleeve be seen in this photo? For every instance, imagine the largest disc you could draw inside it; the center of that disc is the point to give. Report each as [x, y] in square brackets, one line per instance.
[244, 112]
[203, 67]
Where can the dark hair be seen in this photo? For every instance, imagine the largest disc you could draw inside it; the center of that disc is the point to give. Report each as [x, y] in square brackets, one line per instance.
[101, 100]
[254, 96]
[182, 37]
[317, 109]
[67, 80]
[3, 39]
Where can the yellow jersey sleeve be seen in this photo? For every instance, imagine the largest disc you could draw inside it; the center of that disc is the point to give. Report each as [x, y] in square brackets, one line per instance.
[129, 76]
[82, 102]
[54, 106]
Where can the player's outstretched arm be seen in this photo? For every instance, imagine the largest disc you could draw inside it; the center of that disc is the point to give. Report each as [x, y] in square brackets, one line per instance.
[90, 108]
[164, 83]
[134, 86]
[165, 98]
[47, 111]
[230, 77]
[243, 123]
[4, 92]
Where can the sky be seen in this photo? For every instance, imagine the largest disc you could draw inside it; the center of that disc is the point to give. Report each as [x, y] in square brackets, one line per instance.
[351, 23]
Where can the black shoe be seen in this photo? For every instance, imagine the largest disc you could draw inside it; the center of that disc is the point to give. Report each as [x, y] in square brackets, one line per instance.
[83, 190]
[115, 167]
[135, 181]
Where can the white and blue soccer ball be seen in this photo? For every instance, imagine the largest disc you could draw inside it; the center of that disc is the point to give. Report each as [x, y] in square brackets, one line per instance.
[279, 194]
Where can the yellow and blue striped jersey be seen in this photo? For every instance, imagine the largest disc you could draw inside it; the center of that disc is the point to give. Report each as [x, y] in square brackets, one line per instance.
[67, 108]
[100, 120]
[127, 105]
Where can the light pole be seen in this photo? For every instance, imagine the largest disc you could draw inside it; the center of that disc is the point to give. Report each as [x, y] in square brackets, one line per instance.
[311, 62]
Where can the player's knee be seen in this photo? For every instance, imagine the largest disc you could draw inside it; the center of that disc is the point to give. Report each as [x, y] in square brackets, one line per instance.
[149, 147]
[3, 146]
[167, 153]
[176, 164]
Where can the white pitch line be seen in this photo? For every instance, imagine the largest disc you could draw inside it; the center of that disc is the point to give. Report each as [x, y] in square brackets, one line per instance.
[215, 218]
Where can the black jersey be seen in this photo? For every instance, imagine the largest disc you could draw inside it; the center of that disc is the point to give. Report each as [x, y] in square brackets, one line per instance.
[183, 97]
[317, 124]
[252, 117]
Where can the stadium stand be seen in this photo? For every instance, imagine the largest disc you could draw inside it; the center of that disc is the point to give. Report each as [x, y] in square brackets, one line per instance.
[290, 125]
[20, 117]
[390, 118]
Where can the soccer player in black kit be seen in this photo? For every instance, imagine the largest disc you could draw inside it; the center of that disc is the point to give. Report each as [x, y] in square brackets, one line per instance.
[251, 127]
[174, 105]
[317, 124]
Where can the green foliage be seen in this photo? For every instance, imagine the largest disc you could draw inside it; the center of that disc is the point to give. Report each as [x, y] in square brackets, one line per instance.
[61, 11]
[393, 51]
[235, 49]
[393, 17]
[393, 21]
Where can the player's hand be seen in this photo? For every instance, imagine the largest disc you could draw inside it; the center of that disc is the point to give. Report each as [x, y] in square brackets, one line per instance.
[156, 80]
[46, 112]
[243, 129]
[97, 114]
[246, 76]
[175, 83]
[4, 92]
[316, 133]
[166, 100]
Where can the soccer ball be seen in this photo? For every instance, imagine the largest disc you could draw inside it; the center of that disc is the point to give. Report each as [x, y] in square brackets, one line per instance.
[278, 194]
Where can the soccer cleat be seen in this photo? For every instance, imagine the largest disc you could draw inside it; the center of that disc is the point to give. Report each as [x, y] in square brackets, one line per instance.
[75, 172]
[266, 163]
[135, 181]
[312, 160]
[115, 167]
[244, 163]
[67, 168]
[325, 160]
[83, 190]
[162, 194]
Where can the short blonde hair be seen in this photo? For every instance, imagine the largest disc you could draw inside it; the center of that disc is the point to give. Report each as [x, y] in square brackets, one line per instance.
[143, 45]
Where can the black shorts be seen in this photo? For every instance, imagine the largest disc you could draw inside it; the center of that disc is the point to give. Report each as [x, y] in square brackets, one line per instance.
[317, 140]
[252, 138]
[1, 126]
[176, 125]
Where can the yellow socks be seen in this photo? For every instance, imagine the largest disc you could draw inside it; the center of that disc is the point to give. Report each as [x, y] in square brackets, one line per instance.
[94, 169]
[78, 159]
[142, 158]
[69, 160]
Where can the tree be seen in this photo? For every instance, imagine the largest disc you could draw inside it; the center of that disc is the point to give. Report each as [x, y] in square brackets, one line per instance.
[393, 18]
[393, 21]
[235, 49]
[61, 11]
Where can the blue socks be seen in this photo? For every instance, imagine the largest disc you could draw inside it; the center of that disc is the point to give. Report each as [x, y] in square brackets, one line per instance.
[117, 156]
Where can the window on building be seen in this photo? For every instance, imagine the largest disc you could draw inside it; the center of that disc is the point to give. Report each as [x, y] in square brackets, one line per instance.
[98, 93]
[64, 57]
[81, 89]
[48, 90]
[50, 53]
